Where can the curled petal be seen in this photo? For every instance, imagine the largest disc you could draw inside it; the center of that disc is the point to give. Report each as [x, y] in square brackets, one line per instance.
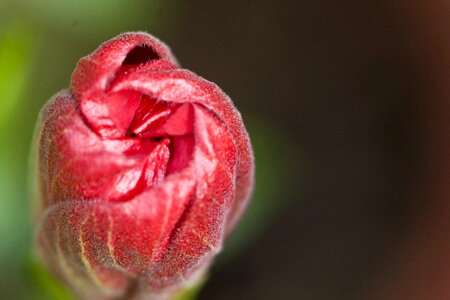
[143, 170]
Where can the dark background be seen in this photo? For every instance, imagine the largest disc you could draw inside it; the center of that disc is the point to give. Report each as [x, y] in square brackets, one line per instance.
[331, 94]
[339, 78]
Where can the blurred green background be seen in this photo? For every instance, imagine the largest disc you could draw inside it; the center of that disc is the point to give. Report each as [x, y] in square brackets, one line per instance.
[325, 90]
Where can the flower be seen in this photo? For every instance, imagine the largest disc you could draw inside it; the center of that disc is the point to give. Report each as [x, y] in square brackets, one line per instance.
[143, 169]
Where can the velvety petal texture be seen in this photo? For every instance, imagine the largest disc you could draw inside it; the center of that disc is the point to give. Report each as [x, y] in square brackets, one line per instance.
[143, 169]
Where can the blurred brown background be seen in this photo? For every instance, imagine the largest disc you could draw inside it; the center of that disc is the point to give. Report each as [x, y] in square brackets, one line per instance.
[338, 98]
[340, 78]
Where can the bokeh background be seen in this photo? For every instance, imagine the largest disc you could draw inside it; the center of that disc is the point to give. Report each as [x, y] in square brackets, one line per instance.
[338, 99]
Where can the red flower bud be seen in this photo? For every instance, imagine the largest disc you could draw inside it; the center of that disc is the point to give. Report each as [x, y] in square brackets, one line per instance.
[143, 169]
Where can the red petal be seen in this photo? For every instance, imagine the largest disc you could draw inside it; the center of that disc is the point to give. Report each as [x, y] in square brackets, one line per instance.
[143, 171]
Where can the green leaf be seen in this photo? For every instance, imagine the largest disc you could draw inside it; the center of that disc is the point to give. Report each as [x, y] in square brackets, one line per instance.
[192, 292]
